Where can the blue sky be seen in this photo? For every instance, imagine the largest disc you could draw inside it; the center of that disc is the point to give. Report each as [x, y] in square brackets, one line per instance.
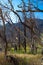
[17, 2]
[37, 14]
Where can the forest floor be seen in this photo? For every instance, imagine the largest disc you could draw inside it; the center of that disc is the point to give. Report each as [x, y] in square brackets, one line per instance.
[23, 59]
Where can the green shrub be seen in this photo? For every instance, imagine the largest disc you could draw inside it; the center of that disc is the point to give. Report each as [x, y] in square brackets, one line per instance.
[12, 50]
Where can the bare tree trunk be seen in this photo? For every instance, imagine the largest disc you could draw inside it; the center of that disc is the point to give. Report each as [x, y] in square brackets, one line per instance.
[24, 38]
[19, 40]
[4, 29]
[6, 46]
[32, 43]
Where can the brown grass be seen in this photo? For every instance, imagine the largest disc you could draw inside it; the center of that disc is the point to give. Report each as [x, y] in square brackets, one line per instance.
[23, 59]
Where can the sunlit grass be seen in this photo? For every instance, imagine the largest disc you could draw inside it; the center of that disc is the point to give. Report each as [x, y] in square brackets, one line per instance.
[28, 59]
[23, 59]
[28, 50]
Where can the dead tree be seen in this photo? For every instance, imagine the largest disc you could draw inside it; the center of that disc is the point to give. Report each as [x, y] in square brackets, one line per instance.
[4, 31]
[29, 10]
[19, 40]
[24, 18]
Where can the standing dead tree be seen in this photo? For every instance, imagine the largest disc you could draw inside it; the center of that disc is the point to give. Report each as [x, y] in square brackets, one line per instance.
[11, 8]
[24, 17]
[16, 28]
[33, 23]
[4, 31]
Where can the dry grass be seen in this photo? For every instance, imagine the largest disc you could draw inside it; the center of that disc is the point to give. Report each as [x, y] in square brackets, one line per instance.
[28, 59]
[3, 60]
[26, 55]
[23, 59]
